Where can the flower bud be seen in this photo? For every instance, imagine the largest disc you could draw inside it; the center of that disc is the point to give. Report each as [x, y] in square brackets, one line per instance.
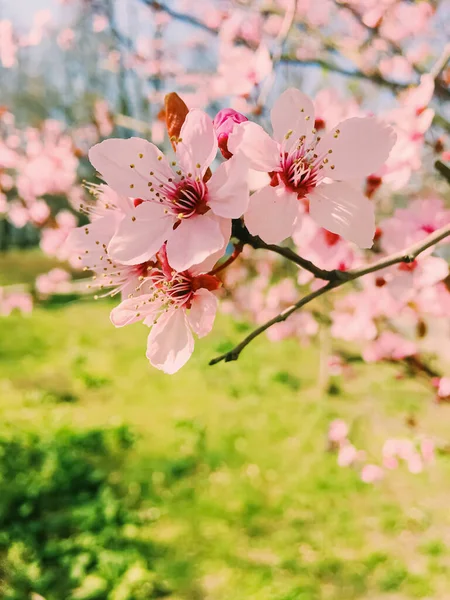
[224, 122]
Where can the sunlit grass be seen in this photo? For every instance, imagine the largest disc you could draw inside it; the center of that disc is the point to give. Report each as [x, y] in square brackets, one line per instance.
[232, 459]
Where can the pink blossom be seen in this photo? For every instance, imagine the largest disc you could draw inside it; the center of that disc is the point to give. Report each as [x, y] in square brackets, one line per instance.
[39, 212]
[53, 239]
[8, 45]
[371, 473]
[66, 38]
[406, 20]
[325, 249]
[414, 463]
[331, 109]
[389, 346]
[406, 279]
[412, 224]
[20, 301]
[179, 207]
[99, 23]
[175, 305]
[54, 281]
[347, 455]
[301, 165]
[444, 387]
[103, 118]
[338, 431]
[427, 448]
[240, 69]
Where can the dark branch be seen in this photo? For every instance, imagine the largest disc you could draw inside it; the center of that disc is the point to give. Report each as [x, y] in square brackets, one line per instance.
[407, 255]
[244, 236]
[234, 354]
[443, 169]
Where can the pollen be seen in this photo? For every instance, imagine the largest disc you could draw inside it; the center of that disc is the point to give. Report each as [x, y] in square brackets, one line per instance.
[141, 155]
[132, 166]
[198, 165]
[131, 185]
[159, 157]
[133, 219]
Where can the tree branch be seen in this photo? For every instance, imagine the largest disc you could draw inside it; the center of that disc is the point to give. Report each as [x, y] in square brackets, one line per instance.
[244, 236]
[443, 169]
[407, 255]
[234, 354]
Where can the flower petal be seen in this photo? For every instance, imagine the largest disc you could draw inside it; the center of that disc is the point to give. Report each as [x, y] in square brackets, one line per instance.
[199, 143]
[126, 165]
[272, 214]
[359, 149]
[131, 310]
[228, 188]
[208, 264]
[141, 234]
[293, 111]
[203, 312]
[255, 144]
[170, 343]
[342, 209]
[88, 242]
[193, 241]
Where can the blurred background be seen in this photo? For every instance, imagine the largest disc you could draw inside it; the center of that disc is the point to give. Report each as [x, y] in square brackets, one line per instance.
[314, 468]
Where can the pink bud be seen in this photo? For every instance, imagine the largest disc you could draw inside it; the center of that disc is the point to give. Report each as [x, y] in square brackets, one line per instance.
[224, 122]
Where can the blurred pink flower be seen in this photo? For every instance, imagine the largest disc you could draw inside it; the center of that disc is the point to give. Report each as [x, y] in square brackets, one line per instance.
[338, 431]
[371, 473]
[444, 387]
[8, 45]
[20, 301]
[427, 448]
[240, 69]
[389, 346]
[99, 23]
[55, 281]
[347, 455]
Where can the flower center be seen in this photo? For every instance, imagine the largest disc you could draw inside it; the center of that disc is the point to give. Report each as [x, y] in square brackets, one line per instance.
[177, 289]
[331, 238]
[189, 198]
[299, 172]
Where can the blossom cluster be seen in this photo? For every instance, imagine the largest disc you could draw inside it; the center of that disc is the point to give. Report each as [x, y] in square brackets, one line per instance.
[415, 454]
[159, 226]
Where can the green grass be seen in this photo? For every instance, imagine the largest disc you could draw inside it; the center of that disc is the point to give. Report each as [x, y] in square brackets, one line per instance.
[231, 461]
